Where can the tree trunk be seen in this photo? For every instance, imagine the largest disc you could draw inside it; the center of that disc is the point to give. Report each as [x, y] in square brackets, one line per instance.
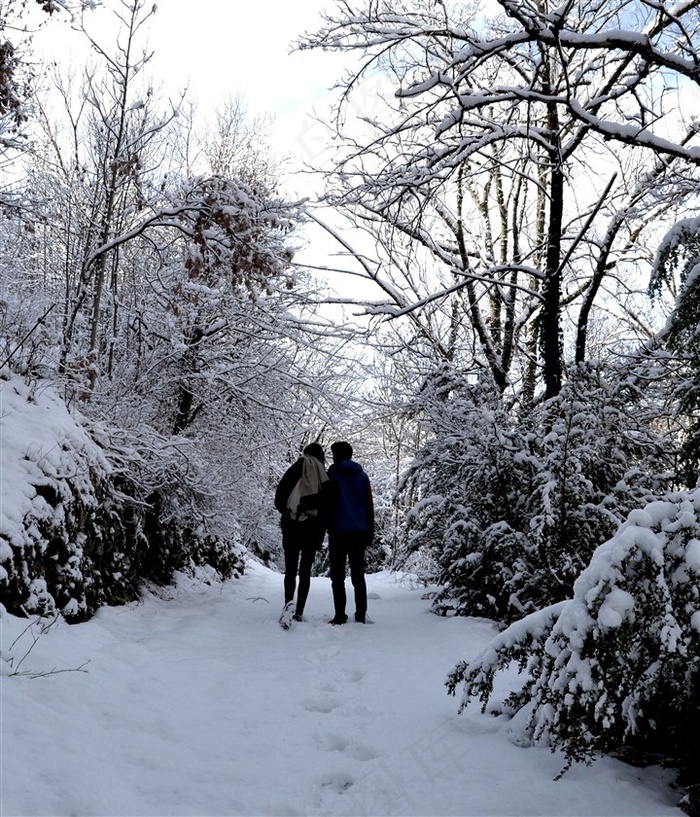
[551, 288]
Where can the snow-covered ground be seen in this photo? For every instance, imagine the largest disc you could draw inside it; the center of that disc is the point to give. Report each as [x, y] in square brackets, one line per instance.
[196, 702]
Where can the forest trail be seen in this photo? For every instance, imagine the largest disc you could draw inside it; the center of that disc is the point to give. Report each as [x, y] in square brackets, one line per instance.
[196, 702]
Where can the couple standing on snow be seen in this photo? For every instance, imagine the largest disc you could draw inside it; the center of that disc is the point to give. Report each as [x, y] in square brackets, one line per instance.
[312, 501]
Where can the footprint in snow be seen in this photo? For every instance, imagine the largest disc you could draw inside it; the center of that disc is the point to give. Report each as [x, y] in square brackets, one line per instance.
[355, 675]
[337, 782]
[321, 655]
[320, 705]
[353, 749]
[327, 788]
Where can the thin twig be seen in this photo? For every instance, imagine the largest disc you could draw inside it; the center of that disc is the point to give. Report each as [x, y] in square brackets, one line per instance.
[30, 332]
[31, 675]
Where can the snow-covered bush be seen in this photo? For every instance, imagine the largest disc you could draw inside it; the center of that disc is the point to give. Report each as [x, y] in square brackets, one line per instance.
[381, 555]
[80, 526]
[616, 667]
[511, 508]
[470, 496]
[598, 458]
[679, 252]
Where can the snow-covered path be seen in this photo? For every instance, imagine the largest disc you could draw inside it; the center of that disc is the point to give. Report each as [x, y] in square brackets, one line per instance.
[201, 704]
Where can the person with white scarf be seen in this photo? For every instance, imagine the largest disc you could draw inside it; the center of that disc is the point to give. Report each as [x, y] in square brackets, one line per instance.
[301, 498]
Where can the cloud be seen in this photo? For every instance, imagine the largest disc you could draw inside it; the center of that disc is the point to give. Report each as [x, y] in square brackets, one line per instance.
[228, 48]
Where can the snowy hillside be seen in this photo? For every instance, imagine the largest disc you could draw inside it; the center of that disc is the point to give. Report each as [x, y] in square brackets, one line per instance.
[86, 516]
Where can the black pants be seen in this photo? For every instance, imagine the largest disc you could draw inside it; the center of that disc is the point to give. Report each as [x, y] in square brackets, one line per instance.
[348, 548]
[301, 542]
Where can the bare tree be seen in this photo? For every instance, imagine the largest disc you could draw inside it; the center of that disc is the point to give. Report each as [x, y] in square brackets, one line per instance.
[529, 156]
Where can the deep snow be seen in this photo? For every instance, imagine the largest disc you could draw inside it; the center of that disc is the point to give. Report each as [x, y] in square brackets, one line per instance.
[195, 702]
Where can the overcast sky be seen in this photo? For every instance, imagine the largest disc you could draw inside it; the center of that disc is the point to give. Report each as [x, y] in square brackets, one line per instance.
[239, 46]
[220, 48]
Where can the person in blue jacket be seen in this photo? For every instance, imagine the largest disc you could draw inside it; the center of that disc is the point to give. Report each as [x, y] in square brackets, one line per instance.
[350, 530]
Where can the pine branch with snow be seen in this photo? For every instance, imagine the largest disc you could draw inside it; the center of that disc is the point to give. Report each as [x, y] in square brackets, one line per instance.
[617, 667]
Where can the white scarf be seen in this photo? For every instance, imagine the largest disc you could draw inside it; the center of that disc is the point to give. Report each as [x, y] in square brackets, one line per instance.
[313, 475]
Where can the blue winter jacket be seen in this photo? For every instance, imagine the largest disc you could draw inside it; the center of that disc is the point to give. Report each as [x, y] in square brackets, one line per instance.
[353, 510]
